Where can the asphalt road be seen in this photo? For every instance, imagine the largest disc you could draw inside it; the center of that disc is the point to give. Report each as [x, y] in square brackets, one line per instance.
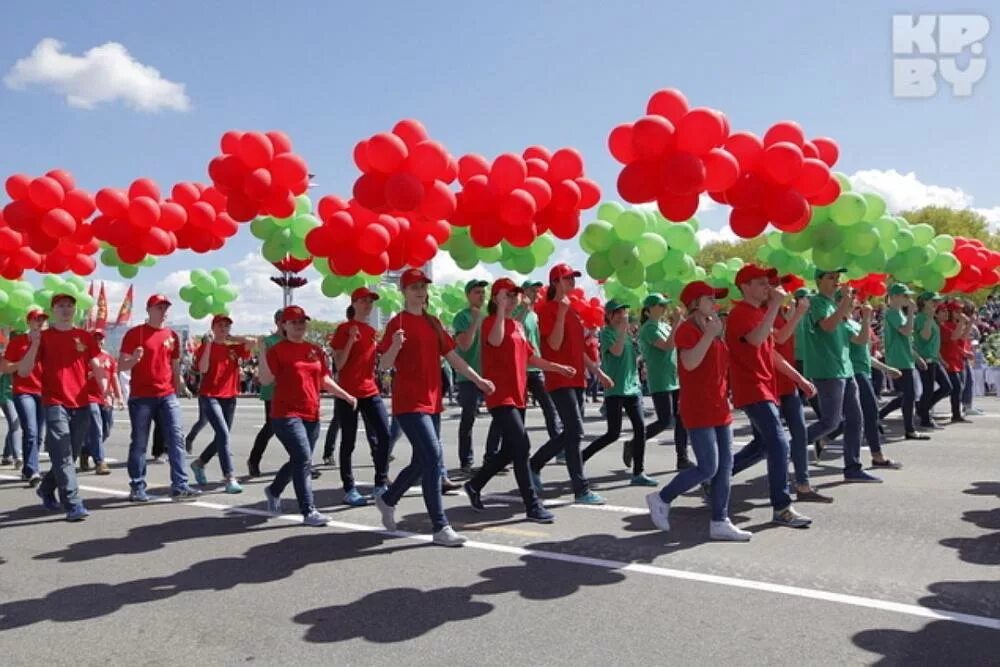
[904, 572]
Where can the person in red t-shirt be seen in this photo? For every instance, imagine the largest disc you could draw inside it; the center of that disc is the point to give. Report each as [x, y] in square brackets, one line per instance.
[353, 345]
[702, 369]
[103, 397]
[65, 354]
[299, 372]
[152, 352]
[954, 326]
[27, 395]
[218, 361]
[506, 354]
[413, 344]
[562, 335]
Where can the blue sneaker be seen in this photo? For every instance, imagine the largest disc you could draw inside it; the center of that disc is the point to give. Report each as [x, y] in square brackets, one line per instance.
[78, 513]
[643, 480]
[589, 498]
[379, 490]
[539, 514]
[199, 472]
[861, 476]
[354, 498]
[184, 494]
[49, 501]
[536, 481]
[232, 486]
[138, 496]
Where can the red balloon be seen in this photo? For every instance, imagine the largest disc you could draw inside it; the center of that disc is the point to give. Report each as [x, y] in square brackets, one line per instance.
[486, 233]
[809, 150]
[782, 162]
[747, 148]
[79, 204]
[131, 254]
[439, 202]
[58, 223]
[700, 130]
[143, 212]
[143, 187]
[41, 242]
[786, 130]
[83, 234]
[288, 169]
[63, 177]
[375, 264]
[620, 143]
[590, 193]
[566, 163]
[747, 222]
[158, 242]
[440, 230]
[373, 239]
[517, 208]
[369, 190]
[828, 194]
[242, 208]
[279, 204]
[541, 191]
[257, 184]
[328, 205]
[652, 137]
[230, 143]
[172, 216]
[669, 103]
[320, 241]
[386, 152]
[829, 152]
[280, 141]
[185, 194]
[721, 170]
[361, 156]
[478, 196]
[470, 166]
[256, 150]
[785, 207]
[403, 191]
[82, 265]
[813, 177]
[201, 215]
[227, 172]
[683, 173]
[224, 226]
[214, 198]
[520, 236]
[411, 131]
[678, 207]
[428, 161]
[537, 153]
[26, 258]
[342, 226]
[46, 192]
[640, 181]
[566, 196]
[9, 240]
[17, 186]
[21, 215]
[507, 172]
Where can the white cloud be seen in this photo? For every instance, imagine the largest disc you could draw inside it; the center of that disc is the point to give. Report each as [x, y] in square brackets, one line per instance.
[105, 73]
[992, 216]
[706, 236]
[445, 271]
[706, 203]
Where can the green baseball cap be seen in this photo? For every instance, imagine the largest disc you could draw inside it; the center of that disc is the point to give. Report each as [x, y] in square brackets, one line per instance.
[822, 272]
[473, 284]
[655, 300]
[930, 296]
[612, 306]
[900, 289]
[801, 292]
[527, 284]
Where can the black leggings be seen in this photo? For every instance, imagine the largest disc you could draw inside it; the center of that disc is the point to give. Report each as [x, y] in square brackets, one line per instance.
[957, 386]
[514, 448]
[632, 405]
[929, 398]
[667, 405]
[263, 436]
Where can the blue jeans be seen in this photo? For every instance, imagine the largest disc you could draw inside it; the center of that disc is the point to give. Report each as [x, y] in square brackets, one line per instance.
[11, 442]
[66, 429]
[167, 410]
[967, 385]
[421, 431]
[299, 439]
[198, 425]
[567, 401]
[107, 422]
[31, 414]
[793, 412]
[713, 453]
[468, 397]
[372, 411]
[218, 412]
[94, 447]
[906, 400]
[838, 401]
[869, 412]
[769, 440]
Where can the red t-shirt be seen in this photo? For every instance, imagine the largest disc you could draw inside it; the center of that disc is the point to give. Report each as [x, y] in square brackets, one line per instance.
[572, 350]
[65, 357]
[153, 376]
[222, 380]
[507, 365]
[952, 354]
[15, 351]
[298, 370]
[704, 400]
[416, 384]
[592, 348]
[785, 385]
[110, 366]
[357, 376]
[751, 367]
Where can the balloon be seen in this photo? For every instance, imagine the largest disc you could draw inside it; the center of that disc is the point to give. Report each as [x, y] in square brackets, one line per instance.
[785, 131]
[507, 172]
[829, 152]
[849, 209]
[620, 143]
[678, 207]
[58, 223]
[700, 130]
[782, 162]
[255, 149]
[669, 103]
[629, 226]
[45, 192]
[386, 152]
[721, 170]
[683, 174]
[652, 248]
[652, 137]
[403, 191]
[566, 163]
[747, 222]
[287, 169]
[640, 181]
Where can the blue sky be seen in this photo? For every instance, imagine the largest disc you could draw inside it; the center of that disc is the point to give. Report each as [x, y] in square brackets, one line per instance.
[485, 79]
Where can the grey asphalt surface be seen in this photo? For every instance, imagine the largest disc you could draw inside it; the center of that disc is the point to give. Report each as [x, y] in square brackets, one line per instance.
[222, 582]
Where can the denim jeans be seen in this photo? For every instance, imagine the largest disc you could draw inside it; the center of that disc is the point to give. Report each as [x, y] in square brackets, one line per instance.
[299, 438]
[515, 449]
[567, 402]
[838, 401]
[12, 441]
[468, 397]
[167, 410]
[263, 437]
[667, 406]
[869, 412]
[957, 387]
[770, 441]
[65, 431]
[219, 413]
[967, 385]
[713, 453]
[425, 465]
[94, 446]
[31, 414]
[372, 411]
[632, 405]
[906, 400]
[930, 397]
[198, 425]
[793, 412]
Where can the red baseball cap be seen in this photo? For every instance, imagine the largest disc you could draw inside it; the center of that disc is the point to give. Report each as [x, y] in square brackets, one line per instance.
[752, 272]
[560, 271]
[61, 295]
[364, 293]
[412, 277]
[36, 314]
[221, 318]
[791, 282]
[694, 291]
[293, 314]
[156, 300]
[504, 284]
[99, 332]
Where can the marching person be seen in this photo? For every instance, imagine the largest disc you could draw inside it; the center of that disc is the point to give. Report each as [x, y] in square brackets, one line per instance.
[266, 394]
[413, 344]
[11, 441]
[927, 345]
[954, 325]
[897, 335]
[27, 397]
[299, 372]
[467, 324]
[104, 397]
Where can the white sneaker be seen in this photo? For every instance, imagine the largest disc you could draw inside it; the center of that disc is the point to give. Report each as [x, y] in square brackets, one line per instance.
[314, 518]
[388, 513]
[726, 531]
[447, 537]
[659, 511]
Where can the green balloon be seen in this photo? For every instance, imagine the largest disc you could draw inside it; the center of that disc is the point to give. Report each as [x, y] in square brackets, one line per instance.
[681, 235]
[303, 205]
[630, 225]
[831, 259]
[84, 302]
[944, 242]
[297, 248]
[225, 294]
[655, 273]
[542, 249]
[598, 235]
[221, 276]
[466, 262]
[330, 287]
[189, 293]
[303, 224]
[849, 209]
[819, 214]
[652, 248]
[148, 261]
[862, 239]
[826, 236]
[633, 276]
[609, 211]
[904, 240]
[109, 257]
[52, 282]
[524, 264]
[128, 270]
[734, 264]
[933, 282]
[19, 299]
[622, 253]
[923, 234]
[199, 310]
[845, 183]
[947, 265]
[875, 205]
[273, 250]
[262, 228]
[490, 255]
[873, 262]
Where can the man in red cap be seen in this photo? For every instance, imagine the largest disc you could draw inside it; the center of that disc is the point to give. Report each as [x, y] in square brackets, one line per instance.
[27, 395]
[152, 352]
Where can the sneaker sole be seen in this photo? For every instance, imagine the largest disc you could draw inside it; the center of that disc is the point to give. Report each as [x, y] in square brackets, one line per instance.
[793, 524]
[449, 544]
[533, 519]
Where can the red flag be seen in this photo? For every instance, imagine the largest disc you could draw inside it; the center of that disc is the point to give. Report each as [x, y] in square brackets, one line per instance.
[89, 325]
[125, 312]
[102, 310]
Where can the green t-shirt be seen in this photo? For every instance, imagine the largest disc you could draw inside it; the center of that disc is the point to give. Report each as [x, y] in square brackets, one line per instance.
[929, 349]
[898, 348]
[861, 356]
[826, 356]
[462, 323]
[530, 324]
[6, 382]
[267, 390]
[661, 365]
[622, 369]
[801, 339]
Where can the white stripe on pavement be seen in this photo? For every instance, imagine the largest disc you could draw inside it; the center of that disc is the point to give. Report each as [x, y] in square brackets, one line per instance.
[653, 570]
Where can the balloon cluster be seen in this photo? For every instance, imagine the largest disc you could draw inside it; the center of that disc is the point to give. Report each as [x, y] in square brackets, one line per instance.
[258, 173]
[287, 235]
[590, 310]
[110, 258]
[138, 222]
[517, 198]
[979, 267]
[638, 246]
[208, 293]
[16, 296]
[74, 286]
[44, 228]
[208, 225]
[872, 285]
[513, 258]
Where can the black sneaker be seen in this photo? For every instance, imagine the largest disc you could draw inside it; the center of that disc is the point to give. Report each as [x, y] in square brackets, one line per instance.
[539, 514]
[253, 469]
[913, 435]
[474, 499]
[684, 463]
[315, 473]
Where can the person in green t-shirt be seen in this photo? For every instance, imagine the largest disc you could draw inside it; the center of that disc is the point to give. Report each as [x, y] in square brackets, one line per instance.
[266, 393]
[927, 344]
[618, 360]
[12, 441]
[897, 339]
[656, 343]
[467, 324]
